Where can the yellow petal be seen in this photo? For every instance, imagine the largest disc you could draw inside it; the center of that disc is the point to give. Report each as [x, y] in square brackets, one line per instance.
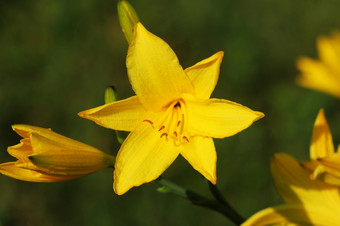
[296, 187]
[201, 154]
[122, 115]
[11, 170]
[310, 165]
[329, 179]
[332, 163]
[336, 41]
[27, 130]
[53, 158]
[322, 142]
[218, 118]
[322, 172]
[154, 71]
[328, 52]
[327, 175]
[143, 157]
[293, 215]
[21, 150]
[314, 168]
[71, 163]
[330, 170]
[204, 75]
[316, 75]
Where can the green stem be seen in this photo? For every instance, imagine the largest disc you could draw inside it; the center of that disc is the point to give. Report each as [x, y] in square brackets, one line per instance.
[170, 187]
[199, 200]
[231, 213]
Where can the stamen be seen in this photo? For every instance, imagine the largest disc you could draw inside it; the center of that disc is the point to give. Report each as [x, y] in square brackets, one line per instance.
[146, 120]
[150, 122]
[185, 138]
[164, 134]
[165, 117]
[171, 123]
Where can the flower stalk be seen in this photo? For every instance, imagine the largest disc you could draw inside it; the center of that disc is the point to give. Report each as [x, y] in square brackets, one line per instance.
[219, 204]
[231, 213]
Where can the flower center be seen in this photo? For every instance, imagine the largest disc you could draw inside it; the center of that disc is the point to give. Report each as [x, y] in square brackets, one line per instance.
[171, 125]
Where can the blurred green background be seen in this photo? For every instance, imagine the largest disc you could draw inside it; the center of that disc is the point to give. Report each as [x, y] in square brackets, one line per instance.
[57, 58]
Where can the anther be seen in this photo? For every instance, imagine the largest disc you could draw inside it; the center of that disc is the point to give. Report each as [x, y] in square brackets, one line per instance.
[148, 121]
[145, 120]
[185, 138]
[177, 105]
[178, 123]
[175, 133]
[162, 127]
[164, 134]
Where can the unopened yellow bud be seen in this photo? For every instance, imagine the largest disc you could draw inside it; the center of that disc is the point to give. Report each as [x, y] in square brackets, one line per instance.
[127, 18]
[45, 156]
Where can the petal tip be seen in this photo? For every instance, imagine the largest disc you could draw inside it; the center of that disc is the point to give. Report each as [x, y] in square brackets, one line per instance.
[85, 114]
[139, 27]
[220, 54]
[258, 115]
[81, 114]
[213, 181]
[211, 177]
[118, 189]
[18, 127]
[321, 116]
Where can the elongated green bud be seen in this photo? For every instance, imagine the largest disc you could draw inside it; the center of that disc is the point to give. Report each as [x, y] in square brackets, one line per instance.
[111, 95]
[127, 18]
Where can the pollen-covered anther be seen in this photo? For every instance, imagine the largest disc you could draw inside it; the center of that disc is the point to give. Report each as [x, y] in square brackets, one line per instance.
[164, 134]
[175, 133]
[185, 138]
[148, 121]
[162, 127]
[178, 123]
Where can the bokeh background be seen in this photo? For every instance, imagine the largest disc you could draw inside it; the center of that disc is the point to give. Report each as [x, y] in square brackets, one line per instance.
[57, 58]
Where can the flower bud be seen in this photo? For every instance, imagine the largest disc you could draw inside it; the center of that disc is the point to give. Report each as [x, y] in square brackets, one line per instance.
[111, 95]
[45, 156]
[127, 18]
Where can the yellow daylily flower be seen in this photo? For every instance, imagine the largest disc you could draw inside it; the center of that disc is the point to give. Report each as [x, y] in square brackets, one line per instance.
[45, 156]
[308, 202]
[171, 113]
[323, 74]
[325, 162]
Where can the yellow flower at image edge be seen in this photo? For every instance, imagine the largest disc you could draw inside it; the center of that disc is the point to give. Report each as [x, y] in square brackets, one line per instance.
[325, 162]
[171, 113]
[45, 156]
[308, 202]
[323, 74]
